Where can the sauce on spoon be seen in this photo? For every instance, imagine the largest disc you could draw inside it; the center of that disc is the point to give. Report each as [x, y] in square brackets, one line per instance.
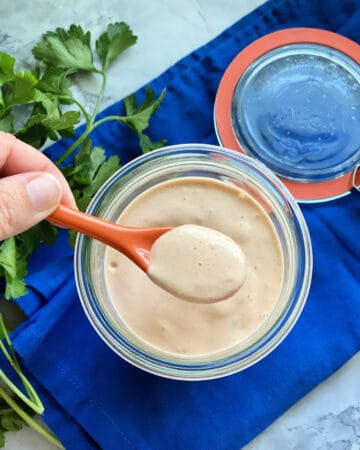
[197, 264]
[193, 263]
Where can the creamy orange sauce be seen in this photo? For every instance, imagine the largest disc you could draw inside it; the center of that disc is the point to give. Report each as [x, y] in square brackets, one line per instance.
[197, 264]
[174, 325]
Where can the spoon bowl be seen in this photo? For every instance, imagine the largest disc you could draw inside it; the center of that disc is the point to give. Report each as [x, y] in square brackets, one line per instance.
[135, 243]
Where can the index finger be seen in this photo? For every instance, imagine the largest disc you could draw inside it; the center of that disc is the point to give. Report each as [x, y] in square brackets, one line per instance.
[17, 157]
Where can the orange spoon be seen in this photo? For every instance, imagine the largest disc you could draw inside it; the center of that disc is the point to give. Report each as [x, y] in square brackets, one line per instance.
[135, 243]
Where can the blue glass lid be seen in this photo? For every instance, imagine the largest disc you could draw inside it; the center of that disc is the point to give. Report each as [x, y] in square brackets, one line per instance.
[292, 100]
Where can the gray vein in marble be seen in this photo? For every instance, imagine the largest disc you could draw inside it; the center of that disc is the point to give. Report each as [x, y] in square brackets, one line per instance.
[335, 431]
[202, 16]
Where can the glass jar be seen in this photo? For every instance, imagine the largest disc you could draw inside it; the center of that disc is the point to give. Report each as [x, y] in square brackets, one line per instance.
[234, 169]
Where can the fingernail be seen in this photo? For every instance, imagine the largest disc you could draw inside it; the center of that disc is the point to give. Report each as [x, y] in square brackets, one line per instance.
[44, 192]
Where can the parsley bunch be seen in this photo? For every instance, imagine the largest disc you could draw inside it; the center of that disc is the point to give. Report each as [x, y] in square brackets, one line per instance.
[46, 94]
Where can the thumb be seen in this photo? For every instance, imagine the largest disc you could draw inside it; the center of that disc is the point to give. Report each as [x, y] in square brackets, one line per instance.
[25, 200]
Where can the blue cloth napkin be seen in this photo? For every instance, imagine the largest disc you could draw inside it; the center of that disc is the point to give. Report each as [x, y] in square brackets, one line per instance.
[96, 400]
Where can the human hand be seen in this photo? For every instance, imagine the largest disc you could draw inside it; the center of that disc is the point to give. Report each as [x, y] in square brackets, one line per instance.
[31, 186]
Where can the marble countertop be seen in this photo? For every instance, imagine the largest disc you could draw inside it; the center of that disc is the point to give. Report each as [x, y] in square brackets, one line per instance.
[329, 416]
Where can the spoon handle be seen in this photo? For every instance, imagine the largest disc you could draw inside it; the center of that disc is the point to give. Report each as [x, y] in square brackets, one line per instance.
[135, 243]
[92, 226]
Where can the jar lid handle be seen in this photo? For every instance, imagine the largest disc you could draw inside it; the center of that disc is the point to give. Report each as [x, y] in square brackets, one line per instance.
[356, 177]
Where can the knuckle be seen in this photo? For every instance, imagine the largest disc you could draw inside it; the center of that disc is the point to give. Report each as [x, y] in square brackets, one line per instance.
[8, 216]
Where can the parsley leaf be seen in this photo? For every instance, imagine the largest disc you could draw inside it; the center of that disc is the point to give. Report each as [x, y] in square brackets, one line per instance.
[13, 269]
[7, 123]
[86, 163]
[147, 145]
[6, 67]
[35, 135]
[138, 117]
[15, 253]
[46, 120]
[89, 171]
[69, 49]
[20, 90]
[105, 171]
[11, 422]
[29, 240]
[52, 117]
[117, 38]
[55, 80]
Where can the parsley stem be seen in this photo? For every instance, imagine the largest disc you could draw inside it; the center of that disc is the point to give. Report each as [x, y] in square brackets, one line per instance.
[90, 123]
[37, 408]
[33, 401]
[79, 105]
[108, 119]
[100, 97]
[74, 146]
[5, 335]
[29, 420]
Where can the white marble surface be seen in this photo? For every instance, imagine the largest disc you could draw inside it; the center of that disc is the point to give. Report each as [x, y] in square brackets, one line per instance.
[328, 417]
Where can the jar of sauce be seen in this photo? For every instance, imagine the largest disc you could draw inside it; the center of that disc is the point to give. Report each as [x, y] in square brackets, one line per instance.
[225, 191]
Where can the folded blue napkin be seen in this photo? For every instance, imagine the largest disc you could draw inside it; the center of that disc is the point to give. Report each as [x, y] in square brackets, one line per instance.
[96, 400]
